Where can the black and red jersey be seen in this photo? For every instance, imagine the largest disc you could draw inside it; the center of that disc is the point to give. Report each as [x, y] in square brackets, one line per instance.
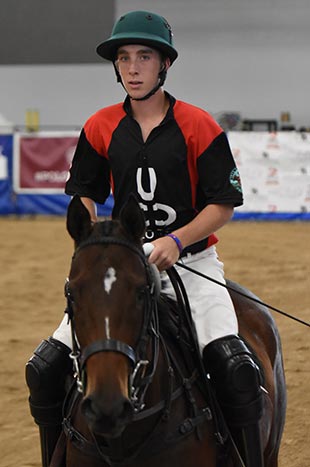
[184, 165]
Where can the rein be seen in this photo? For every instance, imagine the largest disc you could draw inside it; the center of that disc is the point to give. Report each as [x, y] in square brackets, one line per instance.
[256, 300]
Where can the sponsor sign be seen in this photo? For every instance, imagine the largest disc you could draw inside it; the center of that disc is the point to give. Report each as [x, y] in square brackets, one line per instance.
[42, 161]
[274, 170]
[6, 156]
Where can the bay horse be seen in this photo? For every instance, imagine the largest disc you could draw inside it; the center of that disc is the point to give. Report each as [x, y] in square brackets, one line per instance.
[139, 395]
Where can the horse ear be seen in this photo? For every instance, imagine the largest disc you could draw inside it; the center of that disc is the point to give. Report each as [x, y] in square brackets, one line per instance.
[132, 218]
[78, 220]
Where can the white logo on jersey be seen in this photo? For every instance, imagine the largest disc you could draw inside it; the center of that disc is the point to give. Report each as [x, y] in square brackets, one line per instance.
[149, 196]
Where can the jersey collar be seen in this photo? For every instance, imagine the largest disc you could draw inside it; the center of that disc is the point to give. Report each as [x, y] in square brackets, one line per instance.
[169, 114]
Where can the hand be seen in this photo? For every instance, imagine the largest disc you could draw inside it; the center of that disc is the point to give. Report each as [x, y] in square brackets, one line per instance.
[165, 253]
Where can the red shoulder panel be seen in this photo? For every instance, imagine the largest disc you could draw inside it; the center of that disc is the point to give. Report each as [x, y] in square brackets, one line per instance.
[99, 127]
[198, 127]
[199, 130]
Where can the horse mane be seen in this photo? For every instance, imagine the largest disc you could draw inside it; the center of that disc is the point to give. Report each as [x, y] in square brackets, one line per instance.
[175, 331]
[168, 315]
[106, 228]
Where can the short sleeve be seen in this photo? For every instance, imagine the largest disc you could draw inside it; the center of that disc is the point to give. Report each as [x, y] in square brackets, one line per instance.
[89, 173]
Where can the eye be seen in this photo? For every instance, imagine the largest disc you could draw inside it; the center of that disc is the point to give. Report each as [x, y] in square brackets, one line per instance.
[68, 291]
[140, 295]
[70, 302]
[145, 57]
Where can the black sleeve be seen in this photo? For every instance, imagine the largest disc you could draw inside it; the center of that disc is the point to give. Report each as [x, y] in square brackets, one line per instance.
[89, 173]
[219, 180]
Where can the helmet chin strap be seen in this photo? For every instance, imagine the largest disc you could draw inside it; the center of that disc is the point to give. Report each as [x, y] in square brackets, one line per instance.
[161, 79]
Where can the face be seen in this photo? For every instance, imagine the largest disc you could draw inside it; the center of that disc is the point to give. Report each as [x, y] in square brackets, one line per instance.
[139, 66]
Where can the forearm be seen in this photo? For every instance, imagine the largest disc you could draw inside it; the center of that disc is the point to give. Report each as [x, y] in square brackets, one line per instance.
[91, 207]
[208, 221]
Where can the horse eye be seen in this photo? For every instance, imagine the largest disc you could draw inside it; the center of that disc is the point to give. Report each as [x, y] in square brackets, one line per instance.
[140, 294]
[68, 292]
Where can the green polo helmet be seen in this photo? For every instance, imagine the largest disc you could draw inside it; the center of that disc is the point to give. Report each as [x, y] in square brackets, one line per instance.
[139, 27]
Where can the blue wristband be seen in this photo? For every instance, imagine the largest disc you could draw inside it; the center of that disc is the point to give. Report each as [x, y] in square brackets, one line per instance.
[177, 241]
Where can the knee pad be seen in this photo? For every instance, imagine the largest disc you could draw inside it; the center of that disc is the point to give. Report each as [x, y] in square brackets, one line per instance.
[236, 378]
[46, 373]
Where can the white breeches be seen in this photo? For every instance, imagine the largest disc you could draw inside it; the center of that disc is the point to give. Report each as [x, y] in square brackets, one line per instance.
[63, 333]
[212, 309]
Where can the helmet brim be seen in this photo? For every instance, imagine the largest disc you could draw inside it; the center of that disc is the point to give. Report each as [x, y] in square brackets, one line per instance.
[108, 49]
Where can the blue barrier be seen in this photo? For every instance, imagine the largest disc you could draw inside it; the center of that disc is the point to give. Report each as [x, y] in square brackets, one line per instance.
[7, 199]
[55, 205]
[22, 191]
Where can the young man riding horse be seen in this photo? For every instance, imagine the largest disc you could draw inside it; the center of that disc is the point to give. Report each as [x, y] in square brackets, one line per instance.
[177, 161]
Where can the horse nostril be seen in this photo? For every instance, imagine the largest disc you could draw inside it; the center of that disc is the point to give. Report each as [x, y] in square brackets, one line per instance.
[121, 410]
[127, 411]
[89, 408]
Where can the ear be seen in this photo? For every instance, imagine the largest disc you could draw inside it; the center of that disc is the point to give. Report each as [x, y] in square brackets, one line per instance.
[167, 63]
[78, 220]
[132, 219]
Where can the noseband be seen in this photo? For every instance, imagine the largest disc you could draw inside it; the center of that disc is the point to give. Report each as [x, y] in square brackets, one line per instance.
[142, 372]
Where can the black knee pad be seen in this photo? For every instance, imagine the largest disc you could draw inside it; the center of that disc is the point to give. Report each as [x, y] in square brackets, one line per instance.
[236, 378]
[46, 373]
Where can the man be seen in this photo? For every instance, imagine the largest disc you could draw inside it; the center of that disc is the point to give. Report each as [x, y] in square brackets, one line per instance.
[177, 161]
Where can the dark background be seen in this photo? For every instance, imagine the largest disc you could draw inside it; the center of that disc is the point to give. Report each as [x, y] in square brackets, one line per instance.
[53, 31]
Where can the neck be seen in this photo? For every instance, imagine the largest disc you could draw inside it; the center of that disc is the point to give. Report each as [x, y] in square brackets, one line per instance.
[156, 105]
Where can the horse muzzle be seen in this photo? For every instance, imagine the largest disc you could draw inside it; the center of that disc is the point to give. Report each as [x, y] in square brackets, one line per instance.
[108, 419]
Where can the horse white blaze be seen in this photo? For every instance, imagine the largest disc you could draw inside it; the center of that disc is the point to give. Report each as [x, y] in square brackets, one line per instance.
[107, 327]
[109, 279]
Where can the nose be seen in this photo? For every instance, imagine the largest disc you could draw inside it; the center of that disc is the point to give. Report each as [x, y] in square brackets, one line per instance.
[108, 419]
[132, 69]
[132, 66]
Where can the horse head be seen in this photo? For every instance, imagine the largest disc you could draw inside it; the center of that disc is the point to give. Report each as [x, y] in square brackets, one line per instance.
[109, 292]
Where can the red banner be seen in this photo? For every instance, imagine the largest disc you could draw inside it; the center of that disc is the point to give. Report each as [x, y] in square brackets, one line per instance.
[42, 161]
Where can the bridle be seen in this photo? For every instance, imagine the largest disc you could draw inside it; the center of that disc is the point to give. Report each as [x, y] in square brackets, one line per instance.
[143, 358]
[143, 367]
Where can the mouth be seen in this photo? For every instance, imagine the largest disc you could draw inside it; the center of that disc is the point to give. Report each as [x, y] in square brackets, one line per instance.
[110, 431]
[135, 84]
[109, 421]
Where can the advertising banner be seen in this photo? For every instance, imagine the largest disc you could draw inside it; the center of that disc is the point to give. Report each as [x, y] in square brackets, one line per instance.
[275, 174]
[41, 164]
[274, 170]
[6, 191]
